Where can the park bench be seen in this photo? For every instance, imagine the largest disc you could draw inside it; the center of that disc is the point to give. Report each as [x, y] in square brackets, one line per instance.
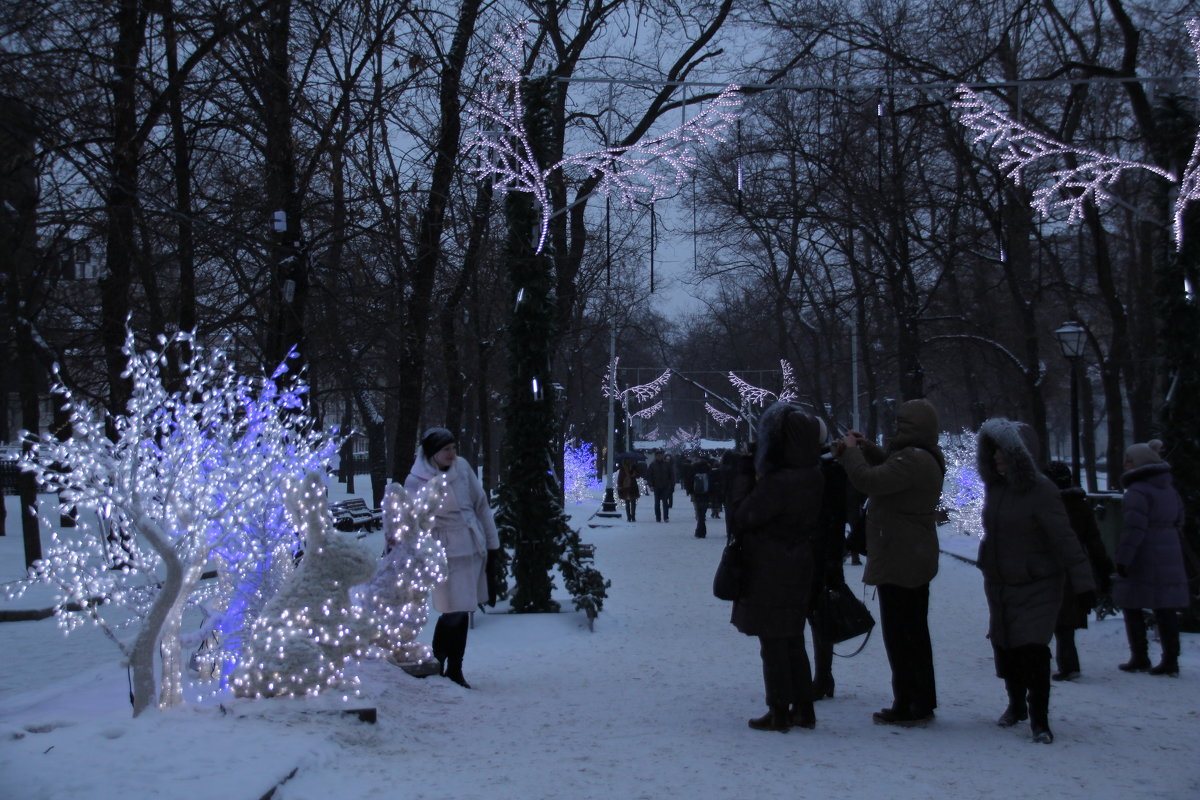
[353, 515]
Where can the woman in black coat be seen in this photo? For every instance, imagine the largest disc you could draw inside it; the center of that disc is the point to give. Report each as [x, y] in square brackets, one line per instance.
[776, 524]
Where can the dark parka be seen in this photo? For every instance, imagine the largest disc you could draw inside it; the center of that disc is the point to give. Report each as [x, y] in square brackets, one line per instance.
[1073, 613]
[776, 523]
[1028, 547]
[904, 487]
[1150, 549]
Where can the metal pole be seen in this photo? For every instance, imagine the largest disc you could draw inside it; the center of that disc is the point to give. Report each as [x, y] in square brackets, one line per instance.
[854, 422]
[609, 506]
[1074, 362]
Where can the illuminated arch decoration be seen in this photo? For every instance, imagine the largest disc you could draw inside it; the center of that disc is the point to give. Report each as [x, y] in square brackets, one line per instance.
[646, 171]
[1096, 173]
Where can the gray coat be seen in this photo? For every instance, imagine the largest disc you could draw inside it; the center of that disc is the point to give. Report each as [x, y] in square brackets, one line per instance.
[1150, 549]
[1028, 547]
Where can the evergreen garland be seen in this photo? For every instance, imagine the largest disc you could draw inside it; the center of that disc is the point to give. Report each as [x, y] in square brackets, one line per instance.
[530, 517]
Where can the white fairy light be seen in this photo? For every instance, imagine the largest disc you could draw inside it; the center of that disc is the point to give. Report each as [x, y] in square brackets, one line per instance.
[643, 172]
[188, 475]
[1095, 173]
[649, 411]
[720, 416]
[755, 395]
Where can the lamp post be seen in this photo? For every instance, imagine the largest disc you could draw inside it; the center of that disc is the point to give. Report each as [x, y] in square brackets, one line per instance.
[1071, 339]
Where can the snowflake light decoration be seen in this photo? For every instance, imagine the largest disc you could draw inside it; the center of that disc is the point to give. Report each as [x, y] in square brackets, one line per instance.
[720, 416]
[1096, 173]
[754, 395]
[645, 171]
[642, 392]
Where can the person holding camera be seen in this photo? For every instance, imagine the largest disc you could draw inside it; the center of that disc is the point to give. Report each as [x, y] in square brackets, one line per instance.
[903, 485]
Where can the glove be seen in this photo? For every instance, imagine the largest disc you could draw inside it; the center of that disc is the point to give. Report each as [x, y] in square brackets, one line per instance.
[1086, 599]
[1123, 570]
[492, 571]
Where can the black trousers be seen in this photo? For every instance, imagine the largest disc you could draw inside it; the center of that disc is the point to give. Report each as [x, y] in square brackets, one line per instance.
[785, 671]
[1066, 655]
[904, 622]
[662, 503]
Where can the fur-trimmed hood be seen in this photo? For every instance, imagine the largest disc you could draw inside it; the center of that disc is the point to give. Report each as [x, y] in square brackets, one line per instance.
[1144, 472]
[1018, 442]
[787, 437]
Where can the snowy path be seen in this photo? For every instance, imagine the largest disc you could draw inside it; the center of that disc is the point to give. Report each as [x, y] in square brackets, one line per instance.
[653, 704]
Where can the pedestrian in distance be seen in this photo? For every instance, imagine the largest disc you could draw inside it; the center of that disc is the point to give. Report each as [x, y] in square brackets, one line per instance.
[1150, 569]
[701, 489]
[829, 551]
[903, 485]
[1073, 616]
[1028, 555]
[776, 524]
[467, 530]
[661, 478]
[627, 487]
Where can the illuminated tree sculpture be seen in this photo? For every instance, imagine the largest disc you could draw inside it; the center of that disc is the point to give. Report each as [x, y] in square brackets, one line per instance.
[415, 561]
[642, 393]
[185, 474]
[962, 493]
[579, 467]
[310, 629]
[649, 170]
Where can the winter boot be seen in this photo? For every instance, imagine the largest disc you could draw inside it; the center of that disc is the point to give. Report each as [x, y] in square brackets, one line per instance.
[1037, 674]
[456, 647]
[1135, 632]
[803, 715]
[440, 639]
[1168, 631]
[1017, 711]
[779, 718]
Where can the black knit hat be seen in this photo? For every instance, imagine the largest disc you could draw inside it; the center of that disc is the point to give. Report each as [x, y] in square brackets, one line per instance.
[435, 439]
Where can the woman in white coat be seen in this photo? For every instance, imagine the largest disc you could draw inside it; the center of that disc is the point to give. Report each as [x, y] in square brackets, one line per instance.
[467, 530]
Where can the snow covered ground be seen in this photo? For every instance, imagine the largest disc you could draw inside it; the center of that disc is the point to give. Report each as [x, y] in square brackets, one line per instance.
[652, 704]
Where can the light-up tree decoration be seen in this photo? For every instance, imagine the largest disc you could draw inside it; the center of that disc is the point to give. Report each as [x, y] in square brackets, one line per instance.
[310, 629]
[579, 468]
[685, 440]
[757, 396]
[1095, 173]
[720, 416]
[186, 474]
[650, 170]
[642, 393]
[397, 597]
[962, 493]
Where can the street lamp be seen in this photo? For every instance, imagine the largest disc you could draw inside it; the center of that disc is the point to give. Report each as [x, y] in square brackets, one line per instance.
[1071, 339]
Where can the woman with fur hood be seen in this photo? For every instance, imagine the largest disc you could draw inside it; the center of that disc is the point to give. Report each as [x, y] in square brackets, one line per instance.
[1026, 555]
[466, 528]
[776, 524]
[1150, 566]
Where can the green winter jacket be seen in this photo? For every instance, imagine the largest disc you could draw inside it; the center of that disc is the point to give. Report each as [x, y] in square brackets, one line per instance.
[903, 485]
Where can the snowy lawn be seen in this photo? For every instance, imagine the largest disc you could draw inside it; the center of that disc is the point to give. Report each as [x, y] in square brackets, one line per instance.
[653, 704]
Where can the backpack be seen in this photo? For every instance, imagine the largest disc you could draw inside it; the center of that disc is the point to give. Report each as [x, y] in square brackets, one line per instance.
[700, 483]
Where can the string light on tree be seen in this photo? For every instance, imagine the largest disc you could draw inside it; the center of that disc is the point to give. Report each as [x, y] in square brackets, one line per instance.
[579, 467]
[1094, 173]
[187, 474]
[962, 493]
[720, 416]
[641, 172]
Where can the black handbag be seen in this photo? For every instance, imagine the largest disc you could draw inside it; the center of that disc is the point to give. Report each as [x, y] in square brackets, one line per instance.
[839, 615]
[727, 582]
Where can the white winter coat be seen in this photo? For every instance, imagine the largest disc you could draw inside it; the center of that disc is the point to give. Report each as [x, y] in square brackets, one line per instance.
[465, 527]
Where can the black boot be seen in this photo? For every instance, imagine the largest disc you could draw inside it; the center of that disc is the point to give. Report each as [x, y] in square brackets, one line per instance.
[456, 647]
[803, 715]
[440, 638]
[779, 718]
[1135, 632]
[1168, 631]
[1036, 659]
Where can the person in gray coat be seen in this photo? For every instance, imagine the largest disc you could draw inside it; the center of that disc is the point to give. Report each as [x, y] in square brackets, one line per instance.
[1150, 569]
[1027, 552]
